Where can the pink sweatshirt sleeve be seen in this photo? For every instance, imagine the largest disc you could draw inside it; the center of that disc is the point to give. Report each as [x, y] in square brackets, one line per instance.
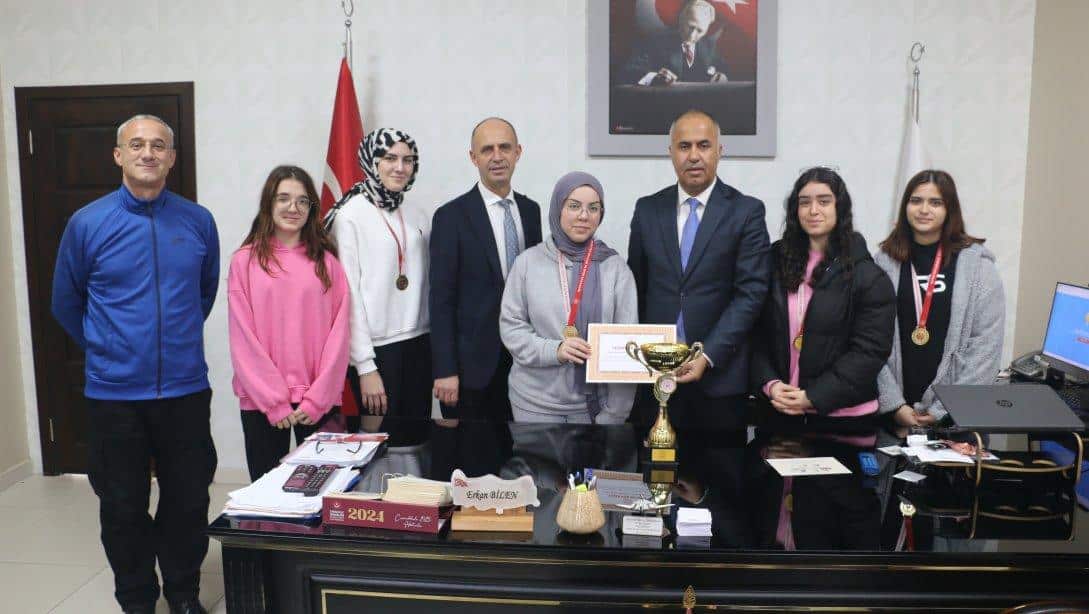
[256, 373]
[767, 387]
[328, 385]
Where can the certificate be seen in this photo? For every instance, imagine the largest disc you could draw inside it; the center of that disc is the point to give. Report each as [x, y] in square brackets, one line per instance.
[609, 361]
[818, 465]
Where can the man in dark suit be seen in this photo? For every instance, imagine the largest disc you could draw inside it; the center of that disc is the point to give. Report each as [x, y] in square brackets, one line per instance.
[683, 54]
[474, 240]
[699, 252]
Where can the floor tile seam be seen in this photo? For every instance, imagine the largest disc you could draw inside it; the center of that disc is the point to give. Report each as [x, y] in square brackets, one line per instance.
[101, 567]
[78, 588]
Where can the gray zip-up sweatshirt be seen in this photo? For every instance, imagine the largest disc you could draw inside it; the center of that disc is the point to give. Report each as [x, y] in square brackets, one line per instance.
[973, 345]
[531, 322]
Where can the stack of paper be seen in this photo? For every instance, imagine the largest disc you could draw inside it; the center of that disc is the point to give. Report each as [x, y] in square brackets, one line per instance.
[943, 455]
[693, 522]
[345, 450]
[266, 498]
[417, 491]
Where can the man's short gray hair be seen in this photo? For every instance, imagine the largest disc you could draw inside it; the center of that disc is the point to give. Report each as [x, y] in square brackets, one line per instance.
[701, 8]
[155, 118]
[695, 113]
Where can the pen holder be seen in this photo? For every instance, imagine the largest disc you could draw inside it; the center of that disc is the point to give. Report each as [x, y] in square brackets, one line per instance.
[580, 512]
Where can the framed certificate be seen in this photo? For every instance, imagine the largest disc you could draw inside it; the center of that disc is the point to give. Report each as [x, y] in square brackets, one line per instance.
[609, 362]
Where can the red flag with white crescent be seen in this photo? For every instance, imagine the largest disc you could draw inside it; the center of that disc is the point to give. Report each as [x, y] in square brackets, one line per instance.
[342, 169]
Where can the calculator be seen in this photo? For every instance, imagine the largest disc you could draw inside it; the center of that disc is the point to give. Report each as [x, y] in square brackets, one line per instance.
[309, 479]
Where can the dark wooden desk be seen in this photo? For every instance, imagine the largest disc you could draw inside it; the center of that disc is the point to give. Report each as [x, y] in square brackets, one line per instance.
[843, 557]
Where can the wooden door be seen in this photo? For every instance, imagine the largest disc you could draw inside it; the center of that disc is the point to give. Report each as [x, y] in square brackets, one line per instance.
[66, 140]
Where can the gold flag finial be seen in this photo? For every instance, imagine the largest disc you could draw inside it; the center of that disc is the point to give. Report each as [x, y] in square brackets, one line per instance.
[689, 599]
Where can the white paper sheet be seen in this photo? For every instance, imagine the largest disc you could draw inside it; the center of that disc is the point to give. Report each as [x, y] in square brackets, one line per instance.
[818, 465]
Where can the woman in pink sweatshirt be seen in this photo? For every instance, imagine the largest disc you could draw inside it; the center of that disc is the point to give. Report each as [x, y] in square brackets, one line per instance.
[288, 309]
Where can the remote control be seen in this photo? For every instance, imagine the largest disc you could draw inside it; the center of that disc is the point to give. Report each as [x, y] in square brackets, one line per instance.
[309, 479]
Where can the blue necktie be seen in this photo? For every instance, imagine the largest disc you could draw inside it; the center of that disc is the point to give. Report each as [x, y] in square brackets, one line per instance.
[688, 238]
[510, 233]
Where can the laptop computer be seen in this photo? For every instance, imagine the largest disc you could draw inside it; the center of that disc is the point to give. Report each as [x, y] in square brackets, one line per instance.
[1007, 408]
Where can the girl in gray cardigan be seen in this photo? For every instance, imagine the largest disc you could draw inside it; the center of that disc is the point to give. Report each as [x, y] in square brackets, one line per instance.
[950, 303]
[548, 378]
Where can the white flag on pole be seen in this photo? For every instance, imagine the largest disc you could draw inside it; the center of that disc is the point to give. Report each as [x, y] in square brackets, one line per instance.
[913, 158]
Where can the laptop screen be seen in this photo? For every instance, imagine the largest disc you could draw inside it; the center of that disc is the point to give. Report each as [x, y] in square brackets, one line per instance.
[1067, 340]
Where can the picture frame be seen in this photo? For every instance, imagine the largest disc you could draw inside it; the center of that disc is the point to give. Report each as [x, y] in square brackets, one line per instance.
[731, 76]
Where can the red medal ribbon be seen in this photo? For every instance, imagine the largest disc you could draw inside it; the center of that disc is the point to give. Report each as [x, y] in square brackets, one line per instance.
[924, 312]
[579, 286]
[400, 250]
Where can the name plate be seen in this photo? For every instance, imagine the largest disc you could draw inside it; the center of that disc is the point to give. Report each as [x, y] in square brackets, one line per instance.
[650, 526]
[489, 492]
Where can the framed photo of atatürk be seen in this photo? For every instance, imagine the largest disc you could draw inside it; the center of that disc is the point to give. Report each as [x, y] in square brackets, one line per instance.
[651, 60]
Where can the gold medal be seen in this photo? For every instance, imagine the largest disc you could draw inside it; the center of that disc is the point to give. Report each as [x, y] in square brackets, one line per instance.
[570, 332]
[798, 342]
[920, 336]
[402, 282]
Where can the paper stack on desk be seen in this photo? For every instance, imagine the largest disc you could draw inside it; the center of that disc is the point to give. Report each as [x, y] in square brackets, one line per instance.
[943, 455]
[343, 449]
[266, 498]
[417, 491]
[693, 522]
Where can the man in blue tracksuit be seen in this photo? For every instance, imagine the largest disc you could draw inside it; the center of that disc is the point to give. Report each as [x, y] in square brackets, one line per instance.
[136, 276]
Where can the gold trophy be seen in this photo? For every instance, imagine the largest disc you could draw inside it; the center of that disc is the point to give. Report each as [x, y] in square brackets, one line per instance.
[665, 359]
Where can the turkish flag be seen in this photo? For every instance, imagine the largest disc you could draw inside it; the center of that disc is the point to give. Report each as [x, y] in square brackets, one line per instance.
[342, 169]
[735, 26]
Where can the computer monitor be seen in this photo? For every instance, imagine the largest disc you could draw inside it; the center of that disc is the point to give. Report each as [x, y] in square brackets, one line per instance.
[1066, 343]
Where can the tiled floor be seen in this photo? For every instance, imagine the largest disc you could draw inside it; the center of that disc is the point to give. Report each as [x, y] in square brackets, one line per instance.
[50, 556]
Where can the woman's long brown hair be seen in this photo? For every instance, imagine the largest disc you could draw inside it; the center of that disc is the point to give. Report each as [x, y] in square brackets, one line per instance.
[954, 238]
[312, 235]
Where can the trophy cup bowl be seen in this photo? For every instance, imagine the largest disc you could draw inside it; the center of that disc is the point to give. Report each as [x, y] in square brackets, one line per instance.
[665, 357]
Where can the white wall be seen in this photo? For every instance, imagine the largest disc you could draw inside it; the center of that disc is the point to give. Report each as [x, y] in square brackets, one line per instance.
[265, 74]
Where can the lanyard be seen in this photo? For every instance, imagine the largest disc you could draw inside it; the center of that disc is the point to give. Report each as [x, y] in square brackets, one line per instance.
[800, 311]
[570, 330]
[400, 248]
[922, 306]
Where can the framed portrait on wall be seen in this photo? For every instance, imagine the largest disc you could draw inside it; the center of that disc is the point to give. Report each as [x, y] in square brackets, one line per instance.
[651, 60]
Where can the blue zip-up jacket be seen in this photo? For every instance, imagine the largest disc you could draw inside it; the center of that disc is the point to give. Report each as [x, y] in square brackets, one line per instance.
[135, 280]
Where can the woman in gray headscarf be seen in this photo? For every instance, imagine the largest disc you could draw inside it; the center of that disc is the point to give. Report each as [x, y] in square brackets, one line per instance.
[554, 291]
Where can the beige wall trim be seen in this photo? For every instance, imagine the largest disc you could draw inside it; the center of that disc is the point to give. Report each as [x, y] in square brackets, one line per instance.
[15, 474]
[1053, 246]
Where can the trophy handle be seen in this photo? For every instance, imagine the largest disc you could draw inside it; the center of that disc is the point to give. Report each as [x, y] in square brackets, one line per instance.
[696, 352]
[632, 348]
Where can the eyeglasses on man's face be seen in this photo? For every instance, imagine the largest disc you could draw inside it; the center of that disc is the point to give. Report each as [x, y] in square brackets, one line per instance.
[136, 146]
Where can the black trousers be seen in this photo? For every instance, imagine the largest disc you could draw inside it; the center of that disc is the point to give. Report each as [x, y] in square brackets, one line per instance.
[266, 444]
[405, 367]
[124, 437]
[481, 442]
